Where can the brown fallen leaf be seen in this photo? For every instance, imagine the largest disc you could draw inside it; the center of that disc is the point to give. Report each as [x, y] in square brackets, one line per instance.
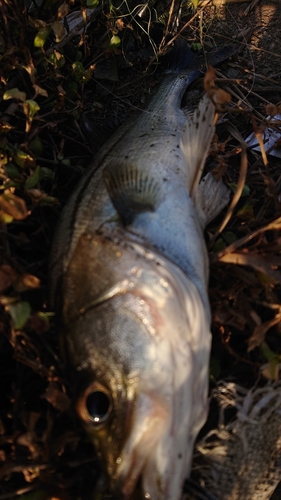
[8, 276]
[275, 225]
[13, 205]
[56, 397]
[63, 10]
[260, 331]
[259, 263]
[68, 439]
[216, 94]
[26, 281]
[29, 438]
[237, 195]
[120, 25]
[272, 109]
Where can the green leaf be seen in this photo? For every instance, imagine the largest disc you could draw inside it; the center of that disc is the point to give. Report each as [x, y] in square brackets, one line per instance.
[14, 93]
[32, 108]
[215, 368]
[81, 74]
[49, 200]
[195, 3]
[57, 59]
[229, 237]
[233, 187]
[13, 184]
[72, 85]
[33, 180]
[226, 239]
[270, 371]
[41, 37]
[36, 146]
[20, 313]
[47, 173]
[12, 171]
[79, 56]
[23, 159]
[92, 3]
[114, 42]
[44, 317]
[35, 495]
[268, 353]
[246, 213]
[196, 46]
[6, 218]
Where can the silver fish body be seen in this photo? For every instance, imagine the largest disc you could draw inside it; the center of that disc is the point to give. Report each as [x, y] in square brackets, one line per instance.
[129, 277]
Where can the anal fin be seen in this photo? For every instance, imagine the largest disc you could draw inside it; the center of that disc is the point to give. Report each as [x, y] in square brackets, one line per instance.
[210, 199]
[210, 196]
[131, 190]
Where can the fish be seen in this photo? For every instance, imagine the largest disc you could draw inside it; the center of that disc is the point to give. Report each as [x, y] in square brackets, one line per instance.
[129, 283]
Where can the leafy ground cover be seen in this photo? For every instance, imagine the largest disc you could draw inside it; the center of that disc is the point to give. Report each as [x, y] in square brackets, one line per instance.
[64, 89]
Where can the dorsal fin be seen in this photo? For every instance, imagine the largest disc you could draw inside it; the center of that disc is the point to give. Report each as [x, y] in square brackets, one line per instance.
[196, 140]
[131, 190]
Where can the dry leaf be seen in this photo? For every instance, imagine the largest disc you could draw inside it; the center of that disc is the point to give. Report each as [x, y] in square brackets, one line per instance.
[56, 397]
[26, 281]
[120, 24]
[8, 276]
[209, 80]
[40, 90]
[58, 30]
[270, 371]
[31, 473]
[259, 333]
[259, 263]
[219, 96]
[63, 10]
[272, 109]
[13, 205]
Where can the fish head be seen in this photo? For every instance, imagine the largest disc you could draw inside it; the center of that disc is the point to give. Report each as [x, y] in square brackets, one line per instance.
[138, 339]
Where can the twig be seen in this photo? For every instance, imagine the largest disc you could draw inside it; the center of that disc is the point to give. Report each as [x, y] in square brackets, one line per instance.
[168, 24]
[272, 226]
[237, 194]
[178, 33]
[12, 494]
[74, 32]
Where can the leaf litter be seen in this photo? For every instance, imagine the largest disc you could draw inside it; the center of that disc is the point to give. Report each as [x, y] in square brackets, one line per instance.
[54, 106]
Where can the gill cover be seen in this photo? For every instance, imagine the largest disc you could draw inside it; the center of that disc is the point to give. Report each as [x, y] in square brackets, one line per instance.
[140, 336]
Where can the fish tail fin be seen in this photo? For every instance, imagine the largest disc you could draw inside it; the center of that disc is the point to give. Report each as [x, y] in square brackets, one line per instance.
[210, 196]
[181, 57]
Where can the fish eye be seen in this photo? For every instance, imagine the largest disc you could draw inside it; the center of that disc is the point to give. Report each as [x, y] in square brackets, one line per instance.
[98, 404]
[95, 404]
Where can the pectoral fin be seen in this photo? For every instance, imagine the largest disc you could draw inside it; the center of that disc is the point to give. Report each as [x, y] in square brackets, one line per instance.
[131, 190]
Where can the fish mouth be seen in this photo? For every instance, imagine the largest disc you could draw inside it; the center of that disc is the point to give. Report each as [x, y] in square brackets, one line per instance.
[135, 463]
[156, 458]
